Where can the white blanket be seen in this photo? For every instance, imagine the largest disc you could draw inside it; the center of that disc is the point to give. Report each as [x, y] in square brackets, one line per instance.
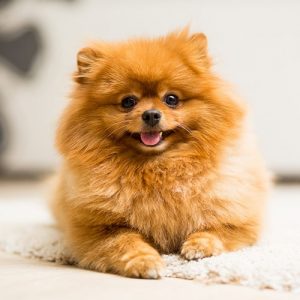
[27, 229]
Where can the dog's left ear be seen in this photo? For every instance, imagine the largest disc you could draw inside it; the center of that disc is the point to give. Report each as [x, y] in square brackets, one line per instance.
[86, 58]
[199, 42]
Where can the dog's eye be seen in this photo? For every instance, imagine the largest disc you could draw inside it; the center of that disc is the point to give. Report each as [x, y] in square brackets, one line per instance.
[129, 102]
[171, 100]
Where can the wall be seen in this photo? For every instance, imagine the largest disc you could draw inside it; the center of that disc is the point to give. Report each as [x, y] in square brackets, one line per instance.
[255, 44]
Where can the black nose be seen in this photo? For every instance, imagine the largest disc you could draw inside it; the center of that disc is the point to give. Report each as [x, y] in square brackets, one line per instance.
[151, 117]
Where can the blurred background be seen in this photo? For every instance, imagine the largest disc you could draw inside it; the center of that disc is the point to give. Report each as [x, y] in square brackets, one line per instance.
[255, 45]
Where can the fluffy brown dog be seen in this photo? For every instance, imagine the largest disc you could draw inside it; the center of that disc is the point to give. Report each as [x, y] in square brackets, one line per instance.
[157, 158]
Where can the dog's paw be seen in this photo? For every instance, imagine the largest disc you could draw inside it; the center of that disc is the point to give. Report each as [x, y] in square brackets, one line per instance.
[200, 245]
[143, 264]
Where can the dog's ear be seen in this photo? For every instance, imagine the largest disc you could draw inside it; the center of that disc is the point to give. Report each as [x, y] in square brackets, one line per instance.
[86, 58]
[199, 42]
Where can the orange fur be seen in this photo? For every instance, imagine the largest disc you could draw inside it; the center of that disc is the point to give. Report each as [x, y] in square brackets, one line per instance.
[200, 192]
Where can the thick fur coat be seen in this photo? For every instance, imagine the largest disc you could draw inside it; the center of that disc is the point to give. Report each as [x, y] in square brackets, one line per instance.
[199, 191]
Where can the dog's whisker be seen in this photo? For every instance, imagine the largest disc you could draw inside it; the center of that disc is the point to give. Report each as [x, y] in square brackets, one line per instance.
[188, 130]
[115, 131]
[115, 124]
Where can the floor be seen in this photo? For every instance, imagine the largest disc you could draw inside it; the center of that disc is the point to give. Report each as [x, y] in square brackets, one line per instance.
[30, 279]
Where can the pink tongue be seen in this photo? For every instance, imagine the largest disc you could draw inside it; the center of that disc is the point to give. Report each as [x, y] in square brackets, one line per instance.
[150, 138]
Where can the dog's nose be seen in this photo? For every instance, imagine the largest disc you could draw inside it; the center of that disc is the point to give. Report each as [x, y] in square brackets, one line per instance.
[151, 117]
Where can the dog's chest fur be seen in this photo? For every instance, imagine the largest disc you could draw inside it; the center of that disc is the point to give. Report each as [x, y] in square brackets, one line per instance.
[162, 201]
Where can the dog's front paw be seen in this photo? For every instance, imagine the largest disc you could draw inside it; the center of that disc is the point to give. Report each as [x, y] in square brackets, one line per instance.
[142, 264]
[200, 245]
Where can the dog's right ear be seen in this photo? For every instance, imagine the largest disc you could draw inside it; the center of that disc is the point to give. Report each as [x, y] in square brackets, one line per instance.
[86, 58]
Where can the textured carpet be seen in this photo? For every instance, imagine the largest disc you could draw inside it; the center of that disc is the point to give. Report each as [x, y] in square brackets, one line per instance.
[27, 229]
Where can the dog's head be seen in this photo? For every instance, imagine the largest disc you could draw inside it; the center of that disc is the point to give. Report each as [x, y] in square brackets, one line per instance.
[147, 96]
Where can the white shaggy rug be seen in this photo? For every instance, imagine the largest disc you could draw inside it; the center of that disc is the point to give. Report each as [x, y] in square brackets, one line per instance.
[26, 229]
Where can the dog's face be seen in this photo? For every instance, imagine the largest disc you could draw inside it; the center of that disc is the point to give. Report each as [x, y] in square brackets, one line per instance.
[147, 96]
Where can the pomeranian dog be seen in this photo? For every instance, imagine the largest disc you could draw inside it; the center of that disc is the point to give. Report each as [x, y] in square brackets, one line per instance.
[157, 158]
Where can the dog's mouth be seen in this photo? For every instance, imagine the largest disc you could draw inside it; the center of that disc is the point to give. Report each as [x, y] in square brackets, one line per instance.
[151, 138]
